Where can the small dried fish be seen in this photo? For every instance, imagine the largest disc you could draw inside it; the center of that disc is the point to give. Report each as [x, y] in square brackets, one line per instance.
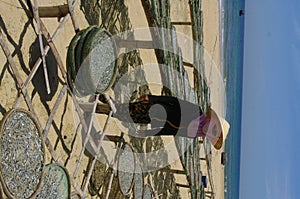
[21, 154]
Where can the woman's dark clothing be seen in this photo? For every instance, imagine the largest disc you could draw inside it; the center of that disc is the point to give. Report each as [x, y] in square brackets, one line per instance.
[167, 115]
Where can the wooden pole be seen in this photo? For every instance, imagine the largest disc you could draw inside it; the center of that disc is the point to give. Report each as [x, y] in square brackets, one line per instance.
[182, 185]
[97, 152]
[137, 44]
[56, 105]
[82, 121]
[71, 11]
[54, 11]
[181, 23]
[154, 31]
[87, 136]
[174, 171]
[58, 59]
[39, 60]
[16, 74]
[188, 64]
[10, 60]
[37, 19]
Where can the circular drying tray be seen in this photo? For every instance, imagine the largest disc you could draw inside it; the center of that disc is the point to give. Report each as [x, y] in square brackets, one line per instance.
[22, 154]
[126, 169]
[138, 186]
[71, 63]
[56, 183]
[93, 58]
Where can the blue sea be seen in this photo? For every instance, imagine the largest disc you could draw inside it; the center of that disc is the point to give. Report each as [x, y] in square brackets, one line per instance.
[232, 34]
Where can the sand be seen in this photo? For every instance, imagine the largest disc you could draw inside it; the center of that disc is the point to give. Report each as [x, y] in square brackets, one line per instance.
[22, 42]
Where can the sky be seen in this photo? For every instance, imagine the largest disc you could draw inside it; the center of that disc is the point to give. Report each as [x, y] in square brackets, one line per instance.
[270, 147]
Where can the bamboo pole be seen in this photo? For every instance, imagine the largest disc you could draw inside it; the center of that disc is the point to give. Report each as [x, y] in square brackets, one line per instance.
[188, 64]
[154, 30]
[97, 152]
[72, 13]
[113, 110]
[82, 121]
[87, 136]
[181, 23]
[114, 167]
[137, 44]
[174, 171]
[56, 105]
[37, 19]
[182, 185]
[10, 60]
[16, 74]
[54, 50]
[47, 48]
[39, 60]
[54, 11]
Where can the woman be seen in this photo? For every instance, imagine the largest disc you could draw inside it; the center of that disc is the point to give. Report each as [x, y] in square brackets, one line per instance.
[172, 116]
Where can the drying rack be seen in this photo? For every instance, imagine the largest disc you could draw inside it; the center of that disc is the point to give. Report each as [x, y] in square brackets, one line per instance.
[158, 16]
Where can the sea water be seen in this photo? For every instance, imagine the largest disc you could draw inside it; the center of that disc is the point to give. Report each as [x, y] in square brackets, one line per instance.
[232, 39]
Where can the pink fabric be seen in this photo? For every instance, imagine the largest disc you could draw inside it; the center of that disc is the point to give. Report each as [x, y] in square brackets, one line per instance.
[197, 128]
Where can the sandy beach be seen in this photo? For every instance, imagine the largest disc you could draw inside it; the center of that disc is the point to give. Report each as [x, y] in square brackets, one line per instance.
[64, 133]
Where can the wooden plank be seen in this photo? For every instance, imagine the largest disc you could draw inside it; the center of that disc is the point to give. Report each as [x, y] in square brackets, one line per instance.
[181, 23]
[53, 11]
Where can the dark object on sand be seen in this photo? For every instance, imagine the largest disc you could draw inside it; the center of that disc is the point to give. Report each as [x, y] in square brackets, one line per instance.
[241, 13]
[223, 158]
[204, 181]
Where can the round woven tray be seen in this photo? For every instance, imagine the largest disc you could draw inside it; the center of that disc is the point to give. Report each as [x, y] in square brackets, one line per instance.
[71, 62]
[91, 61]
[126, 169]
[99, 57]
[80, 46]
[22, 154]
[138, 187]
[56, 183]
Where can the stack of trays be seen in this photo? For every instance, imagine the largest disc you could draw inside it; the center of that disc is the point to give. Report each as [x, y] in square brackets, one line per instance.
[91, 59]
[22, 155]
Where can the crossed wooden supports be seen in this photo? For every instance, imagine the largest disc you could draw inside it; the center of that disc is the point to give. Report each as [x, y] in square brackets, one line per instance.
[66, 11]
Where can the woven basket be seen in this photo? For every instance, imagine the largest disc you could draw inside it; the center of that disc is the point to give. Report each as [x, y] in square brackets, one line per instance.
[22, 154]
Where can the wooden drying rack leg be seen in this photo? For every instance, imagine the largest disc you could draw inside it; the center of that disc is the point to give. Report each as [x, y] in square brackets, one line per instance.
[37, 19]
[16, 74]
